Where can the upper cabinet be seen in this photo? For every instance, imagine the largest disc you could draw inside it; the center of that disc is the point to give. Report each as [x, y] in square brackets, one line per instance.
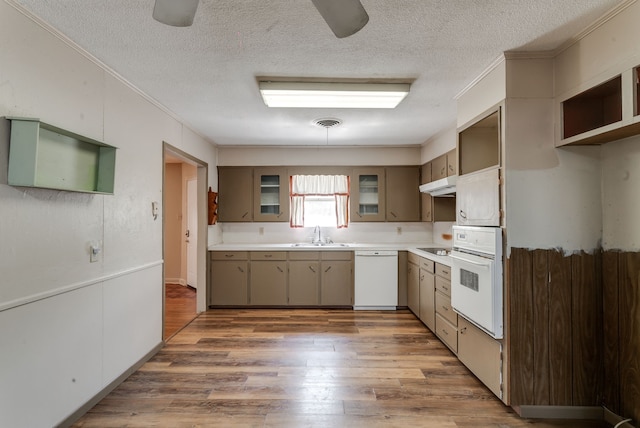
[235, 195]
[403, 194]
[271, 194]
[478, 198]
[604, 112]
[42, 155]
[368, 194]
[479, 144]
[443, 166]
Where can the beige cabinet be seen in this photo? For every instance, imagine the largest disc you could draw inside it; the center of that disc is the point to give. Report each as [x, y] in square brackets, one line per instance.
[228, 278]
[413, 284]
[478, 198]
[439, 167]
[438, 208]
[304, 278]
[452, 162]
[427, 291]
[235, 194]
[479, 144]
[268, 280]
[481, 354]
[368, 194]
[446, 320]
[403, 194]
[425, 173]
[336, 278]
[271, 194]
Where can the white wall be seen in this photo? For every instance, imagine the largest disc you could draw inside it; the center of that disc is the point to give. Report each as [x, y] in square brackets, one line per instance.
[69, 327]
[440, 144]
[621, 195]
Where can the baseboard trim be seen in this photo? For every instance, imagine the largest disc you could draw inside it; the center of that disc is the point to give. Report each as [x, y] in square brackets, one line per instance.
[179, 281]
[561, 412]
[614, 419]
[106, 390]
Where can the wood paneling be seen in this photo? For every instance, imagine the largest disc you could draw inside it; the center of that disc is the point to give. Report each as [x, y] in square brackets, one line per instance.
[629, 345]
[521, 327]
[611, 333]
[586, 320]
[541, 303]
[560, 349]
[574, 329]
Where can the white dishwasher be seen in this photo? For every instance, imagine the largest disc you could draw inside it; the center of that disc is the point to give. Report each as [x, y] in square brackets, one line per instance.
[376, 280]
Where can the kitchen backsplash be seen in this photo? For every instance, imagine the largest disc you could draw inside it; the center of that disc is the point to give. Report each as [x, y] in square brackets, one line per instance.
[267, 233]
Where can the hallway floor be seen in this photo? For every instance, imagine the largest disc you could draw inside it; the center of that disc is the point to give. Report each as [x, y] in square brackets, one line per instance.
[179, 309]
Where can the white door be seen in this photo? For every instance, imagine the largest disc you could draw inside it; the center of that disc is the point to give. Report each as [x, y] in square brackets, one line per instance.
[192, 233]
[478, 198]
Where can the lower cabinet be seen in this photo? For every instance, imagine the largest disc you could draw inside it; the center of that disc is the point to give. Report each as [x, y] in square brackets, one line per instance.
[229, 278]
[268, 279]
[281, 278]
[427, 291]
[304, 278]
[336, 278]
[413, 284]
[473, 342]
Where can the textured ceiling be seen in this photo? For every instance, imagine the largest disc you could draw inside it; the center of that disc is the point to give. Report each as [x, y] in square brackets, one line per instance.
[206, 74]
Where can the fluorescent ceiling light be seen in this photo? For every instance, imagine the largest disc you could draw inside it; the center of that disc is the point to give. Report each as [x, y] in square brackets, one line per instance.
[333, 95]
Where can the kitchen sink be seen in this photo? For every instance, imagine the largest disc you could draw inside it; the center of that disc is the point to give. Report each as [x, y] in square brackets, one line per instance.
[318, 244]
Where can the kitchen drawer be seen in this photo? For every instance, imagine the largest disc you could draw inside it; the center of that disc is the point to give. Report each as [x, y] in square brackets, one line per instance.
[336, 255]
[304, 255]
[443, 285]
[229, 255]
[427, 264]
[443, 271]
[413, 258]
[447, 333]
[268, 255]
[443, 307]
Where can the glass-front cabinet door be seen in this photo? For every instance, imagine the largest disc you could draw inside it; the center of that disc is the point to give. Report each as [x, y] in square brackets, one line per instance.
[368, 194]
[271, 194]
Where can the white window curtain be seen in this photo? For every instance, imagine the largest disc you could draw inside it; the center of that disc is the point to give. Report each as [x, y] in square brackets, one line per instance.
[319, 185]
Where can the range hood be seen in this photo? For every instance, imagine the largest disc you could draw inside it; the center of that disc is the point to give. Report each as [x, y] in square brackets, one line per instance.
[442, 187]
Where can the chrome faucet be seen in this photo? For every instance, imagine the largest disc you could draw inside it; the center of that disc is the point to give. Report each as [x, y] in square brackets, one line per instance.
[317, 235]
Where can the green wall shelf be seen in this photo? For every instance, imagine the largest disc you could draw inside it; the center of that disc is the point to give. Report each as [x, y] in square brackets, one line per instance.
[44, 156]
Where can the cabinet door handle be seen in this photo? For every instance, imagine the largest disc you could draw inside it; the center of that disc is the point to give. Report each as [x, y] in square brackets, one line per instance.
[229, 255]
[393, 214]
[268, 255]
[240, 269]
[279, 215]
[445, 288]
[328, 269]
[245, 214]
[446, 272]
[463, 214]
[445, 308]
[422, 278]
[445, 332]
[451, 168]
[359, 215]
[279, 268]
[463, 330]
[312, 269]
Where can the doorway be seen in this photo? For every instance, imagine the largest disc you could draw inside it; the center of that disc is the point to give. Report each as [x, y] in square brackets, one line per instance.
[184, 238]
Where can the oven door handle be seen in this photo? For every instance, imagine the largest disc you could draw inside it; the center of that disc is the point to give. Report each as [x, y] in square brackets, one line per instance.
[464, 259]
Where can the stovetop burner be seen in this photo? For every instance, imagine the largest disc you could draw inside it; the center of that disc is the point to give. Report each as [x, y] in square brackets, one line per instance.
[437, 251]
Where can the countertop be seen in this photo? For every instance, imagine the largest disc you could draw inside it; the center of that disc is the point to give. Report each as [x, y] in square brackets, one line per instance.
[411, 247]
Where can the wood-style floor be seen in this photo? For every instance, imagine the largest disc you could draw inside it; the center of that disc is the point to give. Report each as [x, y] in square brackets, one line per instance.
[179, 308]
[306, 368]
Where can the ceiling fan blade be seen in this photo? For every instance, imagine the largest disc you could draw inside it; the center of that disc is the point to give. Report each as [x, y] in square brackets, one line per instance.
[178, 13]
[344, 17]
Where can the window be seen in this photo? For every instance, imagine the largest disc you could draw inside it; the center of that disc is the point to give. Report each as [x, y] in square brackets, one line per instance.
[320, 211]
[319, 200]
